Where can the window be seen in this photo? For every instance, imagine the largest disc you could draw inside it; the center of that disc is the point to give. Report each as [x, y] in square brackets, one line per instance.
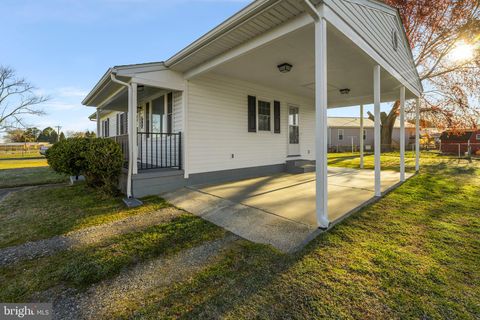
[364, 134]
[158, 110]
[263, 115]
[123, 123]
[340, 134]
[478, 137]
[106, 128]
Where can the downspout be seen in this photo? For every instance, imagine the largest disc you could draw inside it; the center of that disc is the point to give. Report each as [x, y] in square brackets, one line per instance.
[130, 133]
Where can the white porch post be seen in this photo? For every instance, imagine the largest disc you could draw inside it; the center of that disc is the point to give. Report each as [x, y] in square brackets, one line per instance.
[402, 134]
[130, 127]
[321, 134]
[134, 151]
[377, 137]
[98, 123]
[361, 136]
[417, 135]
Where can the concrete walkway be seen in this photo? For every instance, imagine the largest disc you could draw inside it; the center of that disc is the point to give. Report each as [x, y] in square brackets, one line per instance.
[280, 209]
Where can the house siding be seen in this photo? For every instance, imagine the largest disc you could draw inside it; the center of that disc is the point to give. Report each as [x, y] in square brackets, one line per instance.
[375, 26]
[218, 126]
[355, 133]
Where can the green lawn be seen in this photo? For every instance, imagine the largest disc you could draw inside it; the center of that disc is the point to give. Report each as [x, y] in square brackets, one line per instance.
[18, 154]
[24, 172]
[45, 212]
[415, 254]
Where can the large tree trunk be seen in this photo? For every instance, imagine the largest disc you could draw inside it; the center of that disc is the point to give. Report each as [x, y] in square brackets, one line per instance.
[387, 124]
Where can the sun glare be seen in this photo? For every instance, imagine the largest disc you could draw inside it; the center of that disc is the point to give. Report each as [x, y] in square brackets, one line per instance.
[462, 52]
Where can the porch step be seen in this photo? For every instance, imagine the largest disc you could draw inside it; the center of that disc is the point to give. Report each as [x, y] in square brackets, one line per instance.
[300, 166]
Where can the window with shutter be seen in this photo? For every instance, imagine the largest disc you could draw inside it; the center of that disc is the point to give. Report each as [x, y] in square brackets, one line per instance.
[252, 114]
[276, 116]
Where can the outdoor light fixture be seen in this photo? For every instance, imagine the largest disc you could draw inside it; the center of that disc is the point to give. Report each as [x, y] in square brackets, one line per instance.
[284, 67]
[345, 91]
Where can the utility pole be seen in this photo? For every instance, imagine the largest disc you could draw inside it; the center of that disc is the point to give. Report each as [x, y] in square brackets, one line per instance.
[58, 132]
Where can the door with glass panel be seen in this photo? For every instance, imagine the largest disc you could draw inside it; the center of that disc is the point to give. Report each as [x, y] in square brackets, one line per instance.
[293, 131]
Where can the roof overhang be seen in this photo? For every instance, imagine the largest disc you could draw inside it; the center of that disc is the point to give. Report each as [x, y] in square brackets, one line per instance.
[149, 74]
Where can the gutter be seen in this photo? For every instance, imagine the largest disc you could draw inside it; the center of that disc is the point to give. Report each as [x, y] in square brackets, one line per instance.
[130, 147]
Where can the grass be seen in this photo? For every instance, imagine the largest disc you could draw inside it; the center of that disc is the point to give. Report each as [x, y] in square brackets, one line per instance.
[26, 172]
[18, 154]
[83, 267]
[389, 160]
[415, 254]
[46, 212]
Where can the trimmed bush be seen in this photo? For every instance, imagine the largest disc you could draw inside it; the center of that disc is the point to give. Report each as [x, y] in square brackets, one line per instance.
[68, 156]
[104, 163]
[99, 160]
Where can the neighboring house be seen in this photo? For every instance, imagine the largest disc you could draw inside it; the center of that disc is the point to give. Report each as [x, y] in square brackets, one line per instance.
[344, 133]
[460, 143]
[252, 93]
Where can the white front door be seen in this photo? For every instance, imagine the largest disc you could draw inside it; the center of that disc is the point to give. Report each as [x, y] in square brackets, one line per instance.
[293, 132]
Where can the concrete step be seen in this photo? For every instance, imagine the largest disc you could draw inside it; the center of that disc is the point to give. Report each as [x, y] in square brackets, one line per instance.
[300, 166]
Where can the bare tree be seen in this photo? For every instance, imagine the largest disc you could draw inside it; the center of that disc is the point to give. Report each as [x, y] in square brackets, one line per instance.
[436, 29]
[17, 99]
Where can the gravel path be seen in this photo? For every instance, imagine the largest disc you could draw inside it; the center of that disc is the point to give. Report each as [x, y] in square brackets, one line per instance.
[87, 236]
[106, 298]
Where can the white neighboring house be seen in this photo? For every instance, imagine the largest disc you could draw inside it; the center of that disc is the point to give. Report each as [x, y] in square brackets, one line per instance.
[253, 93]
[344, 134]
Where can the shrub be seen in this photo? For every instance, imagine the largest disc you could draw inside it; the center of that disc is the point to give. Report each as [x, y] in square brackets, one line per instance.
[68, 156]
[104, 163]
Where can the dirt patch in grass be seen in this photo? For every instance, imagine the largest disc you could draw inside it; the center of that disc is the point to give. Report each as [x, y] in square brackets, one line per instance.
[44, 212]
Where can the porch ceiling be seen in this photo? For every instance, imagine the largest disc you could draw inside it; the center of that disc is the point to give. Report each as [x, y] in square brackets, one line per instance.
[120, 101]
[348, 67]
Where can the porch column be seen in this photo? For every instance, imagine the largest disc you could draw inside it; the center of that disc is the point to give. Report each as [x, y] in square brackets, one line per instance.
[417, 135]
[377, 137]
[402, 134]
[98, 123]
[134, 151]
[321, 134]
[361, 136]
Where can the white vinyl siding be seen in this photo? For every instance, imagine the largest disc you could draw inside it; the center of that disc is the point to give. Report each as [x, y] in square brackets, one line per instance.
[376, 25]
[218, 125]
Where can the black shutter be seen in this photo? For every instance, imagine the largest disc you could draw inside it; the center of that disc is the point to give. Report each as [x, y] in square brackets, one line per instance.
[169, 112]
[252, 114]
[276, 116]
[117, 126]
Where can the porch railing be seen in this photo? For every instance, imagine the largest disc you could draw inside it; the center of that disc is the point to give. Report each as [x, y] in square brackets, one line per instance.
[159, 150]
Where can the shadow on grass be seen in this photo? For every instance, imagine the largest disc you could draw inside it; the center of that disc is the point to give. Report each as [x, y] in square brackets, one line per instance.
[409, 255]
[83, 267]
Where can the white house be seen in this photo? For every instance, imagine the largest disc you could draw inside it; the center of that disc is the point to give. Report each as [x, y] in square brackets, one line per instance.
[253, 93]
[344, 134]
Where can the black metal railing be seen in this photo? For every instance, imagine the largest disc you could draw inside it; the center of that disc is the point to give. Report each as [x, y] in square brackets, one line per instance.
[159, 150]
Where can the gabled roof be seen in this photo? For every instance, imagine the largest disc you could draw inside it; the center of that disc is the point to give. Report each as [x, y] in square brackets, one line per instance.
[353, 122]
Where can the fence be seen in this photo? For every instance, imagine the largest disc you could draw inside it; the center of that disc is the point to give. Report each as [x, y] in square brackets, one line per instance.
[21, 150]
[457, 150]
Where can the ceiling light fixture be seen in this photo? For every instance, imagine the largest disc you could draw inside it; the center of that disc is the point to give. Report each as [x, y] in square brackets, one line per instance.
[284, 67]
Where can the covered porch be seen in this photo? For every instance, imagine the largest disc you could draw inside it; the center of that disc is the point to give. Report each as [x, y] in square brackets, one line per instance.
[328, 57]
[145, 106]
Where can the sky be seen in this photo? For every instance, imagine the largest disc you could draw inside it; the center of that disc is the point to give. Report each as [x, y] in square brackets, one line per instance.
[63, 47]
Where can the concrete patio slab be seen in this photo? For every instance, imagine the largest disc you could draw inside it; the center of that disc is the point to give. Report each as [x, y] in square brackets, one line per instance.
[293, 195]
[250, 223]
[280, 209]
